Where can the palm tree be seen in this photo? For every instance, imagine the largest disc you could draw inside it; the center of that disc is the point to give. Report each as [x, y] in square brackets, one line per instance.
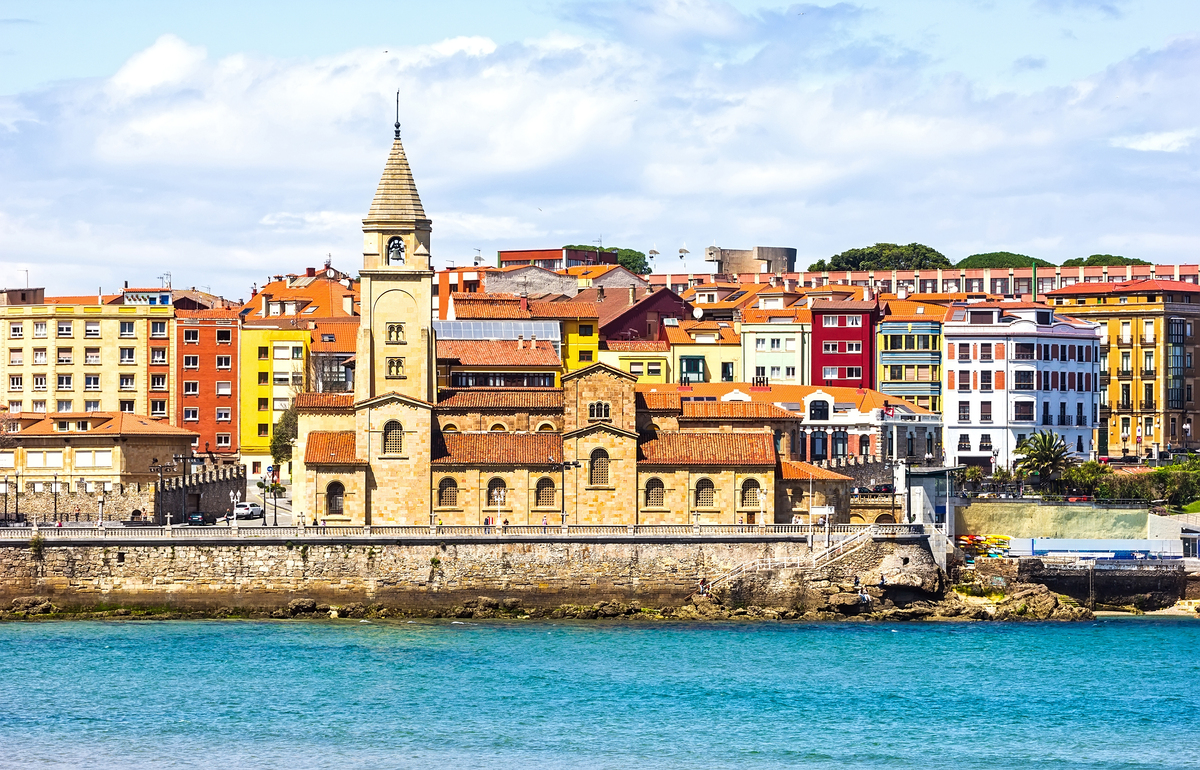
[1044, 453]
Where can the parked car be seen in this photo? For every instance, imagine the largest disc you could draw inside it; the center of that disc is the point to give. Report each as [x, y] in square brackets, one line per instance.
[884, 489]
[248, 511]
[201, 518]
[860, 491]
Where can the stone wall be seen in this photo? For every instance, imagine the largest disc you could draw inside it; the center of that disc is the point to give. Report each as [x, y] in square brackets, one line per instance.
[410, 576]
[1146, 587]
[119, 504]
[209, 491]
[1021, 518]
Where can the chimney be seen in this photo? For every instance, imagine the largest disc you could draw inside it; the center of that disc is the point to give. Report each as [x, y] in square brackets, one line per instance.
[902, 292]
[524, 301]
[532, 341]
[632, 294]
[348, 304]
[520, 342]
[127, 284]
[310, 272]
[599, 293]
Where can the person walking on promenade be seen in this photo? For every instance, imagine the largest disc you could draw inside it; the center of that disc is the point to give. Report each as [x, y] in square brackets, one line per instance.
[544, 523]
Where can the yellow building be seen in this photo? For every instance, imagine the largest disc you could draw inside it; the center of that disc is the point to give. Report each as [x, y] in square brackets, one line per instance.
[1147, 374]
[274, 362]
[705, 351]
[84, 354]
[648, 360]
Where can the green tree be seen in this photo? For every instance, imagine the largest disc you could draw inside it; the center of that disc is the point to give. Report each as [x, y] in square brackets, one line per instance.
[973, 474]
[1001, 259]
[1087, 476]
[885, 256]
[1044, 453]
[631, 259]
[284, 435]
[1103, 260]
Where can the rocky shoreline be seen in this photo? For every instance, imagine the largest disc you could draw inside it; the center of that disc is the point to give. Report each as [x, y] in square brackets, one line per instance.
[1030, 602]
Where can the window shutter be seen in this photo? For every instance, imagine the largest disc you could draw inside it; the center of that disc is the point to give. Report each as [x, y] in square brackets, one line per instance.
[1071, 381]
[950, 350]
[950, 379]
[974, 352]
[974, 380]
[999, 351]
[999, 381]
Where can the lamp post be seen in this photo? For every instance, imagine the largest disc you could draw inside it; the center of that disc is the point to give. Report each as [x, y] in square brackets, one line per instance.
[6, 498]
[156, 467]
[562, 469]
[55, 491]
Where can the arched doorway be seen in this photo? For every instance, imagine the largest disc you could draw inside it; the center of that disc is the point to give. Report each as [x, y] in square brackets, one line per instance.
[335, 496]
[885, 518]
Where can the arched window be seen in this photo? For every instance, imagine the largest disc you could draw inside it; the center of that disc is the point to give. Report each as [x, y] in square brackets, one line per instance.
[840, 443]
[395, 255]
[447, 493]
[449, 428]
[802, 445]
[598, 468]
[705, 494]
[393, 438]
[818, 410]
[655, 493]
[497, 493]
[546, 427]
[598, 410]
[820, 449]
[864, 444]
[335, 495]
[498, 428]
[545, 493]
[750, 490]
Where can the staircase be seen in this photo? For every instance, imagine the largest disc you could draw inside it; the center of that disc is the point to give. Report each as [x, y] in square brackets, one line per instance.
[843, 547]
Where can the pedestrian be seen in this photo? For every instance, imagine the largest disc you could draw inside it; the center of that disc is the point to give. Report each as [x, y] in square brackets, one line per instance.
[506, 522]
[77, 513]
[544, 523]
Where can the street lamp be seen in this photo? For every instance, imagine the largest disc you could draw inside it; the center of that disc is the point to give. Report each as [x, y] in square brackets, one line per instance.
[55, 491]
[156, 467]
[562, 469]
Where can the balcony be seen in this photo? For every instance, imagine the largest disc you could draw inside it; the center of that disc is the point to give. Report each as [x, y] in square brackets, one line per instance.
[1148, 405]
[1081, 421]
[1064, 419]
[1047, 419]
[1147, 340]
[1104, 348]
[1125, 342]
[1103, 379]
[1147, 374]
[1105, 412]
[1124, 372]
[1124, 406]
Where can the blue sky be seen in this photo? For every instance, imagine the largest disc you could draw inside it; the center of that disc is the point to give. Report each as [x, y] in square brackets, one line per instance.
[225, 141]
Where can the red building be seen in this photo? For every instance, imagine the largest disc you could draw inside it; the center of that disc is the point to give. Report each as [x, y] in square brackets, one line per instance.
[556, 259]
[207, 359]
[843, 343]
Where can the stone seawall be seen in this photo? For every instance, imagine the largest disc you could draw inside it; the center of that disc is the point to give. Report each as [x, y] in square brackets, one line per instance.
[410, 576]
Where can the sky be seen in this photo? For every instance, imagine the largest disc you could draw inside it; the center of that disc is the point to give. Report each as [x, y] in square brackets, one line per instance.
[225, 142]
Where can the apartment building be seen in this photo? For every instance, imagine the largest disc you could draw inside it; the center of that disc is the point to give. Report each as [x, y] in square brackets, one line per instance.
[776, 345]
[86, 354]
[274, 362]
[910, 352]
[1013, 368]
[843, 343]
[1147, 366]
[703, 351]
[207, 357]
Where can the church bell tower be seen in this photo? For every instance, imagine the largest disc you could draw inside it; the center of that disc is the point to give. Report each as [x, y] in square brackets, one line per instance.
[393, 352]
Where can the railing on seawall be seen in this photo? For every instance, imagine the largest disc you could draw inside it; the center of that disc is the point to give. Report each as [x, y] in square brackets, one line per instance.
[835, 532]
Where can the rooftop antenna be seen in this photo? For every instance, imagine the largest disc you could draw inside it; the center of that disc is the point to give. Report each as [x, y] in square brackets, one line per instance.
[478, 257]
[397, 113]
[165, 279]
[328, 260]
[683, 252]
[26, 272]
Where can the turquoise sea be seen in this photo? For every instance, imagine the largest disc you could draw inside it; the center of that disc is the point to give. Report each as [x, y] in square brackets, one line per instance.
[1115, 693]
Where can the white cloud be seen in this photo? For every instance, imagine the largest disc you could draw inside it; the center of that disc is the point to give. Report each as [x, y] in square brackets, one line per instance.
[1164, 141]
[224, 170]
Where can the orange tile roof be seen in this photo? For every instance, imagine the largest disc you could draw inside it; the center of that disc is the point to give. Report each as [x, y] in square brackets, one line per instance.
[470, 306]
[897, 309]
[719, 449]
[323, 295]
[798, 313]
[323, 402]
[864, 400]
[345, 336]
[83, 299]
[744, 294]
[588, 271]
[734, 410]
[1125, 287]
[680, 335]
[499, 353]
[332, 447]
[102, 423]
[636, 346]
[507, 398]
[843, 305]
[658, 402]
[534, 449]
[791, 470]
[218, 313]
[569, 310]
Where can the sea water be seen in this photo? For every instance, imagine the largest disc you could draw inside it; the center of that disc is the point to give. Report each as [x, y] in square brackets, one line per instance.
[521, 695]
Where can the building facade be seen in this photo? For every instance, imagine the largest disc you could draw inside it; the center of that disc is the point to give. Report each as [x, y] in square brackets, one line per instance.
[1013, 368]
[207, 358]
[910, 352]
[843, 343]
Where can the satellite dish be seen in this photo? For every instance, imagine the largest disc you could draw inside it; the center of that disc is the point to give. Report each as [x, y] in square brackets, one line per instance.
[683, 253]
[697, 313]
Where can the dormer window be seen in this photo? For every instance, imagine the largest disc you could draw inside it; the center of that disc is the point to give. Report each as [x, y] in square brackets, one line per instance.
[818, 410]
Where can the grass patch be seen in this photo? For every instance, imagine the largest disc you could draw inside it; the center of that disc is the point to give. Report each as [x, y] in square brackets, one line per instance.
[1192, 507]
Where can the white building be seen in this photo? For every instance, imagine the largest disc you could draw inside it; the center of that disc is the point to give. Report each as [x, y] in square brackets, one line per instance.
[1013, 368]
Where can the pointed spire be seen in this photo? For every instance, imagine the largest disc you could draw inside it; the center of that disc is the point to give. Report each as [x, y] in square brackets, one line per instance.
[396, 197]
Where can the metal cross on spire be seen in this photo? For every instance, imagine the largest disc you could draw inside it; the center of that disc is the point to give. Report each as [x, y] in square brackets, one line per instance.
[397, 113]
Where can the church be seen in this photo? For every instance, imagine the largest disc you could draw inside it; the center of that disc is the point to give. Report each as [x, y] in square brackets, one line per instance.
[400, 450]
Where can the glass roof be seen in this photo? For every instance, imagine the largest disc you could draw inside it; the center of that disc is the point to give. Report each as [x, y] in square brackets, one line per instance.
[496, 330]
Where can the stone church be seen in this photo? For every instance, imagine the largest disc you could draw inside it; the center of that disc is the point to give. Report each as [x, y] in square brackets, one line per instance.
[399, 450]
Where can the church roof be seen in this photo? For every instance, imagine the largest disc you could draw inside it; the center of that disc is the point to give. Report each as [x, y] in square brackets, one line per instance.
[489, 353]
[734, 410]
[498, 449]
[396, 197]
[331, 447]
[506, 398]
[719, 449]
[791, 470]
[320, 402]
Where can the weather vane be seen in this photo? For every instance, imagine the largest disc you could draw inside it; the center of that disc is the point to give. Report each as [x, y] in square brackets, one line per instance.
[397, 113]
